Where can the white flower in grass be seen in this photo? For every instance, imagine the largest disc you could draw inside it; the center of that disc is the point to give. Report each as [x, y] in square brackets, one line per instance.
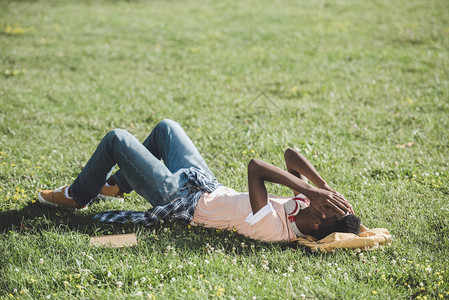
[206, 261]
[66, 283]
[393, 262]
[143, 279]
[290, 269]
[41, 261]
[136, 282]
[119, 284]
[87, 271]
[173, 279]
[109, 274]
[48, 297]
[428, 269]
[265, 265]
[90, 257]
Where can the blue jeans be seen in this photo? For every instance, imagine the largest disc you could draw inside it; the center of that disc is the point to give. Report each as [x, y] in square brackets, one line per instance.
[141, 168]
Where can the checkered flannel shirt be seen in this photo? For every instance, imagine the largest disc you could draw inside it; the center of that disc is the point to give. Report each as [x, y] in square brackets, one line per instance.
[181, 209]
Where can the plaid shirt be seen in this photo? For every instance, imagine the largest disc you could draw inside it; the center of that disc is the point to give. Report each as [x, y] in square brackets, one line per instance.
[180, 209]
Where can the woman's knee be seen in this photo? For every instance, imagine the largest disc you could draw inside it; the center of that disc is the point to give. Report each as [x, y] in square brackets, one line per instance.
[117, 133]
[167, 127]
[167, 124]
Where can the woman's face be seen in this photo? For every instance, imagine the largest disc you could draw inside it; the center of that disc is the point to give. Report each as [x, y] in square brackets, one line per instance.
[312, 220]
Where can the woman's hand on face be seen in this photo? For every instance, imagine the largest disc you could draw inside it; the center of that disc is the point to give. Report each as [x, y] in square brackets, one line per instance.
[346, 202]
[332, 199]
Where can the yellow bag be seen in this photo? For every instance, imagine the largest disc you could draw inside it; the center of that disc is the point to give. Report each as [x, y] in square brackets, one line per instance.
[367, 239]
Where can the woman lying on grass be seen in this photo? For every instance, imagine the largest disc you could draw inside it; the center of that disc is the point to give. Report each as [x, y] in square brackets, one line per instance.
[181, 186]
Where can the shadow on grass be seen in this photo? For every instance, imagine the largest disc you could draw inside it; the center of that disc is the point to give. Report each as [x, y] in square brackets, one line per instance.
[35, 219]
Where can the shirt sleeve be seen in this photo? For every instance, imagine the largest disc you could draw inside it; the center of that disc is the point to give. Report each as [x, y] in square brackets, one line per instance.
[252, 219]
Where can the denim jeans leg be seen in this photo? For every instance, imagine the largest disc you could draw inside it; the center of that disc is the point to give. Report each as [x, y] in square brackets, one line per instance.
[146, 174]
[169, 142]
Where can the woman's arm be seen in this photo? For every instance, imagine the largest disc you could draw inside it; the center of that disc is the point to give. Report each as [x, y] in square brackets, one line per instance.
[298, 165]
[260, 171]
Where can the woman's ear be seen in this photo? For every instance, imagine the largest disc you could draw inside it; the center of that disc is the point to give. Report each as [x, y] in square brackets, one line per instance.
[315, 225]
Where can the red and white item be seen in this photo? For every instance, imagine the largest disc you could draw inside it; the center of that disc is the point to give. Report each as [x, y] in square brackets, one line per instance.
[293, 207]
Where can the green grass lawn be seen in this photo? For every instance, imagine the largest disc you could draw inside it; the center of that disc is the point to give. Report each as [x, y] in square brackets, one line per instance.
[360, 87]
